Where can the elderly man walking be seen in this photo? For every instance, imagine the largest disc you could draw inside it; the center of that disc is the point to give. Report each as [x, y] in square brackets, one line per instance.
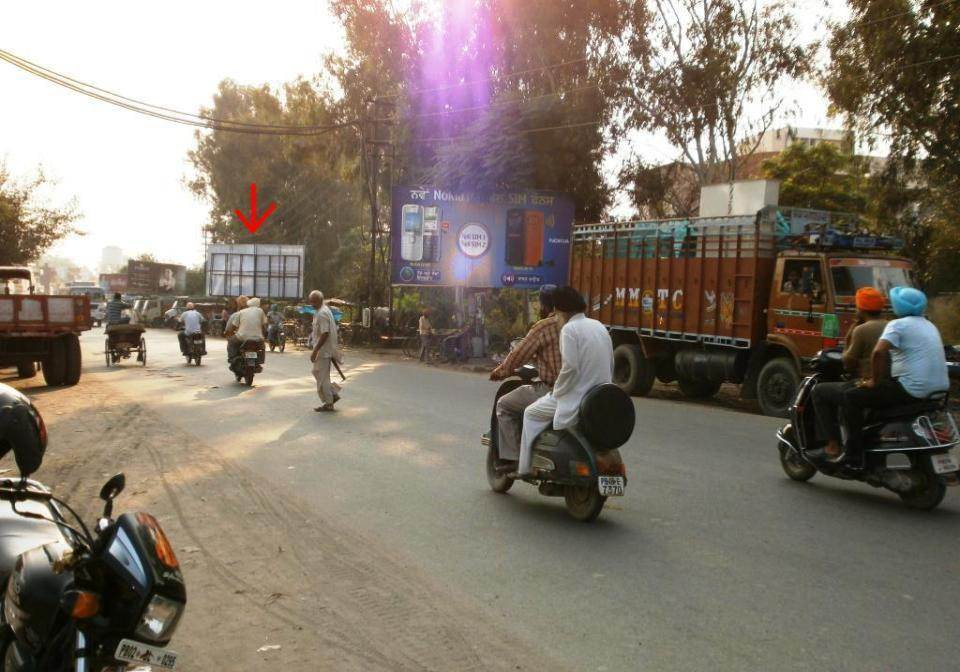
[323, 341]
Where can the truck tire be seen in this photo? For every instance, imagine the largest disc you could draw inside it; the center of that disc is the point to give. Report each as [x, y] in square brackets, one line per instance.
[632, 372]
[26, 370]
[55, 363]
[777, 387]
[74, 359]
[698, 389]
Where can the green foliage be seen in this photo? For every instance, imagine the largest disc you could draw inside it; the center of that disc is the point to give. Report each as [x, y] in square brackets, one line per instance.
[195, 282]
[505, 314]
[820, 177]
[945, 313]
[28, 228]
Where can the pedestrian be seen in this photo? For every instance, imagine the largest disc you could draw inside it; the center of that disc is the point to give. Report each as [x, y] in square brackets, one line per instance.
[425, 329]
[323, 344]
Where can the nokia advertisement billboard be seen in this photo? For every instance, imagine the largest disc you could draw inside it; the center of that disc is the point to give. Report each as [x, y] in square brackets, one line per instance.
[509, 239]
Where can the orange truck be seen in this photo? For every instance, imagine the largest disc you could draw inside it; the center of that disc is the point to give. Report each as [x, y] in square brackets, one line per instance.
[739, 299]
[40, 329]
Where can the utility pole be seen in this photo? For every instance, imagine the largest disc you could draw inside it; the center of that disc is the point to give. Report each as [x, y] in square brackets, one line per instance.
[377, 138]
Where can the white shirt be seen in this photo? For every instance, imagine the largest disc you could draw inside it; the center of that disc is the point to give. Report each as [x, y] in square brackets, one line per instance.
[249, 323]
[191, 322]
[586, 353]
[323, 323]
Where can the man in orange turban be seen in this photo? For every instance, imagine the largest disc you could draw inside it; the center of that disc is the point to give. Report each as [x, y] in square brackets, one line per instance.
[861, 340]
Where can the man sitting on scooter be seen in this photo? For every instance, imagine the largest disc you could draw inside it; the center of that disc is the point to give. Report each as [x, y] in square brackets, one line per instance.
[586, 354]
[541, 345]
[192, 322]
[247, 324]
[907, 366]
[274, 322]
[861, 340]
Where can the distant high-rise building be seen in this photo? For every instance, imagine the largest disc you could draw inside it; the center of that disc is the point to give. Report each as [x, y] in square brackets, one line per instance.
[112, 259]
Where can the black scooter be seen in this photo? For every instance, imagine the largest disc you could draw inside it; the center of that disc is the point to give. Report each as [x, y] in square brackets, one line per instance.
[249, 361]
[277, 337]
[82, 602]
[583, 464]
[906, 448]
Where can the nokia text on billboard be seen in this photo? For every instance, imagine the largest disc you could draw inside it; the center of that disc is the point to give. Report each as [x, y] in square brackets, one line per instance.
[508, 239]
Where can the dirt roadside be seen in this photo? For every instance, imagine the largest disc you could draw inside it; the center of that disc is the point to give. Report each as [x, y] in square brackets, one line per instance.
[261, 569]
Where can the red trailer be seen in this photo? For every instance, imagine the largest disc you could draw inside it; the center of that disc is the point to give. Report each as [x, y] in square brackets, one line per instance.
[738, 299]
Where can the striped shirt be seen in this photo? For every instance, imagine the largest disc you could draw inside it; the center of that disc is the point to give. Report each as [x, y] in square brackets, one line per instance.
[540, 345]
[115, 311]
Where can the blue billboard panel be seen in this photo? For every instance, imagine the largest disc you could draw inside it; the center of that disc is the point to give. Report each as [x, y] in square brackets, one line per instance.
[508, 239]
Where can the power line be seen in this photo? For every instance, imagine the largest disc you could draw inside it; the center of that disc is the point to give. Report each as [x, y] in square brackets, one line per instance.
[163, 113]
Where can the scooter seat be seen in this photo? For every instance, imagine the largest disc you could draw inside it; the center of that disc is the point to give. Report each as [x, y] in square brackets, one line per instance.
[905, 411]
[607, 417]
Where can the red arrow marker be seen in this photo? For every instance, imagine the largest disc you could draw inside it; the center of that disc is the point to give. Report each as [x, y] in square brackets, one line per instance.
[254, 222]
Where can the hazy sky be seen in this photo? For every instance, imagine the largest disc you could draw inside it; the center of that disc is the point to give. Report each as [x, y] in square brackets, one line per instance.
[126, 169]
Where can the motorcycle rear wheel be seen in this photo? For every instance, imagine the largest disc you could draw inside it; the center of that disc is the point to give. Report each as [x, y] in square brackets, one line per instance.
[498, 482]
[928, 497]
[584, 503]
[248, 378]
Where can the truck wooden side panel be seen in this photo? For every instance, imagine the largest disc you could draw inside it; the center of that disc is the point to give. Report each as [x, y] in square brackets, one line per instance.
[36, 315]
[699, 280]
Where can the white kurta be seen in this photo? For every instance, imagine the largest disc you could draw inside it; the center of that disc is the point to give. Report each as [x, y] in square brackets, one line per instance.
[586, 352]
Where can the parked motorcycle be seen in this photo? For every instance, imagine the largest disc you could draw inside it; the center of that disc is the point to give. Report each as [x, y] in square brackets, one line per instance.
[582, 464]
[277, 337]
[906, 448]
[72, 599]
[249, 361]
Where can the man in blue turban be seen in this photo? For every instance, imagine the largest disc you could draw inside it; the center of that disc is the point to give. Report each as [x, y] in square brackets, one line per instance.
[908, 365]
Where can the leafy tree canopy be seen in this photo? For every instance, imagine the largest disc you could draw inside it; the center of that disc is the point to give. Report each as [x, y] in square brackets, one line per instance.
[28, 227]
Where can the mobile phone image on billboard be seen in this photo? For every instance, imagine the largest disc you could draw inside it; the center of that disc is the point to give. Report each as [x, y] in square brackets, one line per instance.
[533, 234]
[514, 242]
[431, 233]
[411, 241]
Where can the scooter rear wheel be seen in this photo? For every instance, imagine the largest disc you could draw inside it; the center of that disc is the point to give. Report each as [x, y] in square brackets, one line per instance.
[794, 466]
[498, 482]
[584, 502]
[248, 378]
[928, 497]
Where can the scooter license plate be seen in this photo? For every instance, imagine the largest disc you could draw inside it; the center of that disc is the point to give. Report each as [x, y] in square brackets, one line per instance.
[250, 356]
[610, 486]
[130, 651]
[944, 463]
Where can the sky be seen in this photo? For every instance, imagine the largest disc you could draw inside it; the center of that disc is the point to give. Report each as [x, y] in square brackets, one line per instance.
[127, 170]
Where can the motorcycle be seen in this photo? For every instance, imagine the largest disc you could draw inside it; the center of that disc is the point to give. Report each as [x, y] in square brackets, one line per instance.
[580, 464]
[249, 361]
[196, 347]
[82, 601]
[277, 337]
[906, 449]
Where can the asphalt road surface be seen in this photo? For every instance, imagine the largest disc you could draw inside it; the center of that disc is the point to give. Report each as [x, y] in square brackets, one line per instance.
[712, 561]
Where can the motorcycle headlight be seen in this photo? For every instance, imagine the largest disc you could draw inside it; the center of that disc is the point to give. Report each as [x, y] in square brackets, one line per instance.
[159, 619]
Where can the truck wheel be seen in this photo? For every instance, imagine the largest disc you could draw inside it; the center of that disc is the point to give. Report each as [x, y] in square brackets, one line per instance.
[698, 389]
[26, 370]
[777, 386]
[74, 359]
[55, 363]
[632, 372]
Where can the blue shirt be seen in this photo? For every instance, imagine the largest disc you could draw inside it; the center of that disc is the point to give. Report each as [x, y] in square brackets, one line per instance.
[191, 322]
[917, 359]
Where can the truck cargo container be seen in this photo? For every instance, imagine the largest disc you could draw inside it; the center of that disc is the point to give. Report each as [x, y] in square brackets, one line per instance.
[738, 299]
[41, 329]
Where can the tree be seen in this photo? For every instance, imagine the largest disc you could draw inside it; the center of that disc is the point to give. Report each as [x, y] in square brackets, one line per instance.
[705, 73]
[820, 177]
[195, 282]
[28, 228]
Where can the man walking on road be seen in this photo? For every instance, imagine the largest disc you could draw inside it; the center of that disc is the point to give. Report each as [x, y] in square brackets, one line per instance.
[426, 331]
[323, 341]
[587, 361]
[540, 345]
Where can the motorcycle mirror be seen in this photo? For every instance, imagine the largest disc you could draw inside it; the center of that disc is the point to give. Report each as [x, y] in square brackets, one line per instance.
[112, 488]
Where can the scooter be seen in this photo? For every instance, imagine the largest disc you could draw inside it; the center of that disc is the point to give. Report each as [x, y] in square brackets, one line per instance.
[82, 601]
[196, 348]
[906, 448]
[277, 337]
[249, 361]
[581, 464]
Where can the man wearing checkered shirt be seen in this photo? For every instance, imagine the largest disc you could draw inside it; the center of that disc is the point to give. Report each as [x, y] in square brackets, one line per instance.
[542, 346]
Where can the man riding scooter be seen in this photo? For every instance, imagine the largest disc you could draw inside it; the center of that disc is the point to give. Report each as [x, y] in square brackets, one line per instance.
[247, 324]
[907, 365]
[586, 352]
[861, 340]
[542, 346]
[192, 322]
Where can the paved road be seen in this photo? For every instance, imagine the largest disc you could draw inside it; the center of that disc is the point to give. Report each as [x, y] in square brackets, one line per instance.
[712, 561]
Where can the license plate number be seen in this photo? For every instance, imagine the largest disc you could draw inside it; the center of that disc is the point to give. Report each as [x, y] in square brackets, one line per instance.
[251, 355]
[610, 486]
[130, 651]
[944, 463]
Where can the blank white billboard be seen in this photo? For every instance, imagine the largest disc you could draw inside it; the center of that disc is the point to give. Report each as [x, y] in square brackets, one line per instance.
[274, 271]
